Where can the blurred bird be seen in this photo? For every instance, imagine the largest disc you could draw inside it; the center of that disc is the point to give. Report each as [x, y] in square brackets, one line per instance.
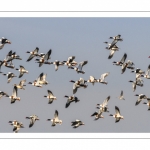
[22, 70]
[33, 54]
[80, 66]
[76, 123]
[103, 76]
[55, 120]
[32, 118]
[50, 96]
[4, 41]
[117, 116]
[71, 99]
[14, 97]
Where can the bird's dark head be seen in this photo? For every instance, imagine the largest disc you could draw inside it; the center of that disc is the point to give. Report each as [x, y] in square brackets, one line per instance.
[27, 52]
[144, 103]
[66, 96]
[110, 115]
[72, 81]
[136, 95]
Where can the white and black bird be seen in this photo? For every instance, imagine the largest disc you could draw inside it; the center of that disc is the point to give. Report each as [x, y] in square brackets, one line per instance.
[22, 70]
[14, 97]
[55, 120]
[9, 75]
[33, 54]
[13, 55]
[102, 78]
[70, 62]
[117, 37]
[137, 82]
[76, 85]
[4, 41]
[148, 103]
[140, 98]
[76, 123]
[92, 80]
[129, 64]
[103, 106]
[2, 94]
[57, 64]
[32, 118]
[44, 58]
[21, 84]
[80, 66]
[42, 79]
[70, 100]
[121, 96]
[98, 114]
[17, 125]
[50, 96]
[121, 62]
[117, 116]
[147, 75]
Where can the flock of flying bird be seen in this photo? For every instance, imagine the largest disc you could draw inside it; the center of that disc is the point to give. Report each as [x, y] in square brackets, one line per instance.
[43, 59]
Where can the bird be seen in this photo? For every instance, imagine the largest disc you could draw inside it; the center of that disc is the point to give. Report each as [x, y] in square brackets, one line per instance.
[129, 64]
[2, 94]
[32, 118]
[82, 82]
[112, 51]
[16, 125]
[98, 114]
[44, 58]
[4, 41]
[92, 80]
[121, 62]
[50, 96]
[57, 64]
[140, 98]
[35, 83]
[117, 37]
[9, 75]
[111, 45]
[103, 76]
[21, 84]
[55, 120]
[70, 62]
[148, 103]
[137, 82]
[76, 85]
[76, 123]
[70, 100]
[39, 81]
[80, 66]
[7, 62]
[22, 70]
[121, 96]
[103, 106]
[13, 55]
[14, 97]
[146, 75]
[33, 54]
[117, 116]
[139, 71]
[42, 79]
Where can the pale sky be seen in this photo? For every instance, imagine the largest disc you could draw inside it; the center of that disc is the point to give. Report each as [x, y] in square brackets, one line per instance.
[82, 38]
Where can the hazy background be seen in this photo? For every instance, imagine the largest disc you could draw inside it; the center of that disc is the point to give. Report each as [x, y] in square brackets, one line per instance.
[83, 38]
